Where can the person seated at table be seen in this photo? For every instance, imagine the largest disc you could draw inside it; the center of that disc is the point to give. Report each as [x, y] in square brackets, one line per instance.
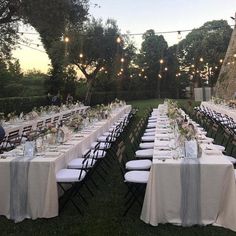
[2, 133]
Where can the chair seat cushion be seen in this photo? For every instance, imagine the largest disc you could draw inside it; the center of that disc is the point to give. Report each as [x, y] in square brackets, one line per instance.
[147, 145]
[102, 145]
[148, 138]
[150, 130]
[151, 125]
[219, 147]
[97, 154]
[149, 134]
[146, 153]
[152, 118]
[106, 133]
[70, 175]
[104, 139]
[152, 122]
[138, 165]
[77, 163]
[231, 159]
[137, 177]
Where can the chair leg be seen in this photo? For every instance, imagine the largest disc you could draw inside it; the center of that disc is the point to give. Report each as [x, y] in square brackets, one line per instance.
[70, 192]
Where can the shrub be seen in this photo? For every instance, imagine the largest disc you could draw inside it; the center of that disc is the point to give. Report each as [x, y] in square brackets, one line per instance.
[21, 104]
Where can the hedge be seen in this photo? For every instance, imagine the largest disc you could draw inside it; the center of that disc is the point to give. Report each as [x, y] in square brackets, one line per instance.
[26, 104]
[105, 97]
[19, 104]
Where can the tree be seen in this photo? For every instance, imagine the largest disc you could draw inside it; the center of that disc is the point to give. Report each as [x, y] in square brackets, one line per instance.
[53, 19]
[203, 48]
[153, 51]
[50, 18]
[94, 49]
[9, 15]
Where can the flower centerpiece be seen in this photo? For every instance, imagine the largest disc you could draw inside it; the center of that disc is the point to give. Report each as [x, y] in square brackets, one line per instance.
[188, 135]
[11, 116]
[30, 144]
[217, 100]
[187, 131]
[75, 123]
[173, 111]
[232, 103]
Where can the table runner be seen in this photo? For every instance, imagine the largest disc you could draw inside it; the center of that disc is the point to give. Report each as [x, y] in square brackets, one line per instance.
[190, 210]
[19, 170]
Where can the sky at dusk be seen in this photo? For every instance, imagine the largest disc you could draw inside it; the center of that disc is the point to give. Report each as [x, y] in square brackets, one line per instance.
[137, 16]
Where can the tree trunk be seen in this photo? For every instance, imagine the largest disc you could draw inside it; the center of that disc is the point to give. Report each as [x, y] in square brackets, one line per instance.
[88, 93]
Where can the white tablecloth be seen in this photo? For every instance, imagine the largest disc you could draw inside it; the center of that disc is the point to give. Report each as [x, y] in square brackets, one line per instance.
[231, 112]
[162, 202]
[218, 193]
[42, 186]
[20, 125]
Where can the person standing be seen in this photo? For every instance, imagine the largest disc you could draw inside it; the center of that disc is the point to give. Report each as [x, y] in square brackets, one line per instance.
[69, 99]
[56, 100]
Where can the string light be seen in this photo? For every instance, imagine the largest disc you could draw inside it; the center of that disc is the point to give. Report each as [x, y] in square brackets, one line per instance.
[179, 36]
[122, 59]
[36, 49]
[157, 33]
[142, 70]
[118, 40]
[221, 60]
[161, 61]
[81, 55]
[159, 75]
[66, 39]
[166, 69]
[201, 59]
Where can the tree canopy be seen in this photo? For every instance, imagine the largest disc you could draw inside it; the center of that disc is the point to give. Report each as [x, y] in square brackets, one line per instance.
[94, 48]
[152, 56]
[9, 15]
[207, 44]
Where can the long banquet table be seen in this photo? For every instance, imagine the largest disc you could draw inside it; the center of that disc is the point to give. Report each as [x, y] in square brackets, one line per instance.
[42, 194]
[217, 191]
[19, 125]
[224, 110]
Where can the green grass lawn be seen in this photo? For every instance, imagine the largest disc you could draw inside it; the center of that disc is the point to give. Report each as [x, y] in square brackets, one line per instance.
[103, 216]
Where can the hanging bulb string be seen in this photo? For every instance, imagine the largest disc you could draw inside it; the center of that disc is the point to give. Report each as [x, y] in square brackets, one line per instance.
[140, 34]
